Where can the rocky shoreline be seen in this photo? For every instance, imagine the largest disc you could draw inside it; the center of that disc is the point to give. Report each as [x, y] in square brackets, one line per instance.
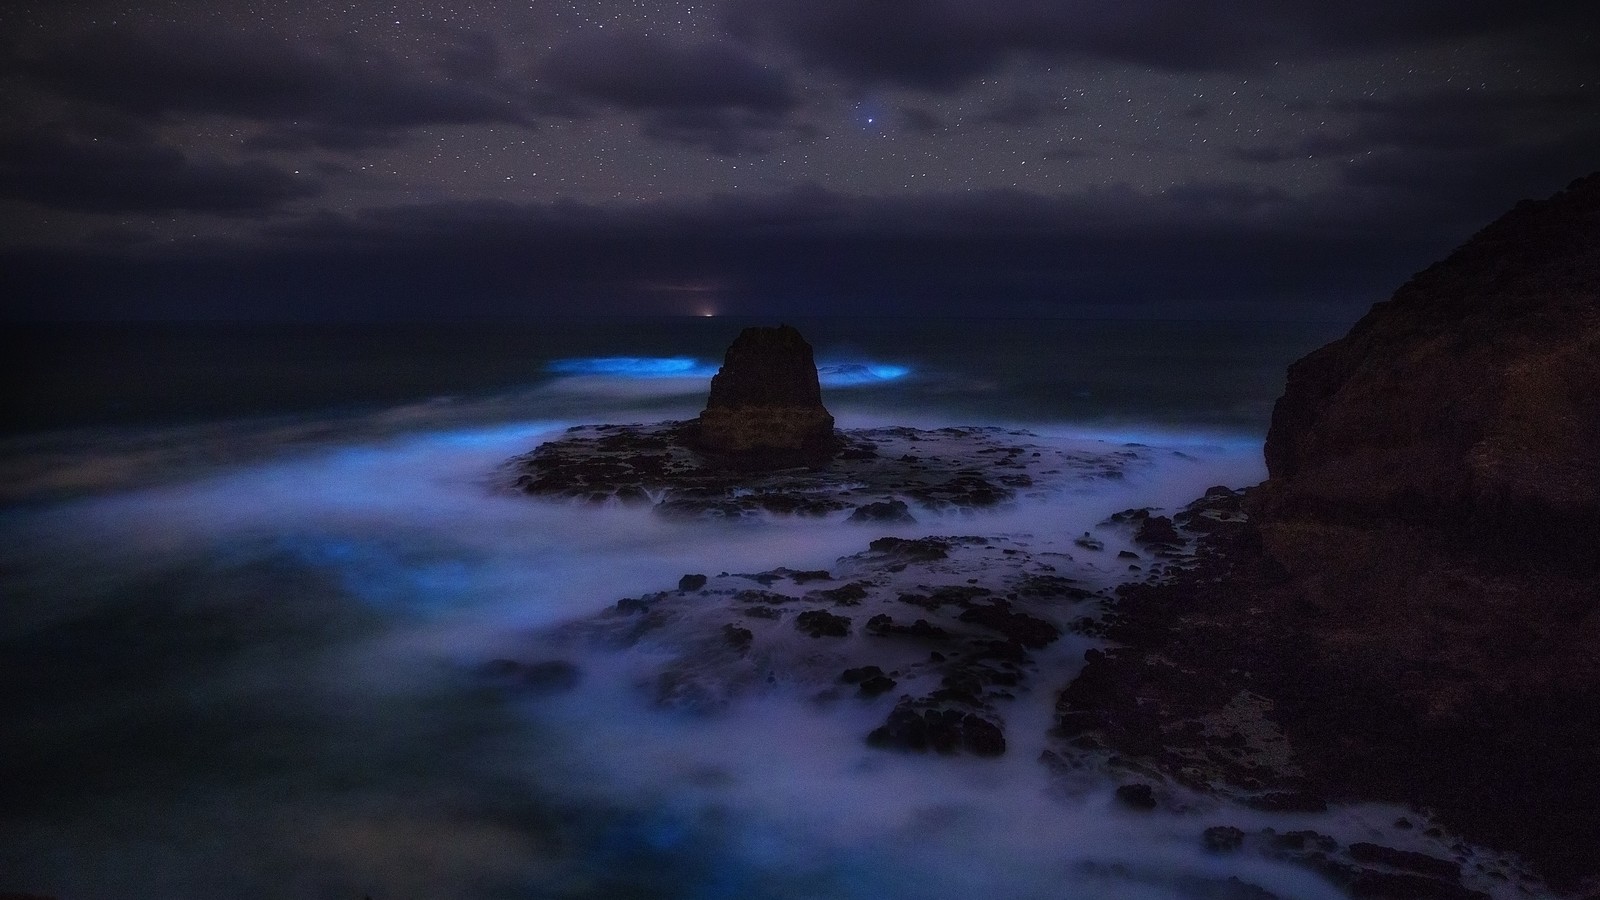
[876, 474]
[1407, 611]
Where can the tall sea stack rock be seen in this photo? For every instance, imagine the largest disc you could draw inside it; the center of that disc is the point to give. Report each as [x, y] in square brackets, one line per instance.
[766, 401]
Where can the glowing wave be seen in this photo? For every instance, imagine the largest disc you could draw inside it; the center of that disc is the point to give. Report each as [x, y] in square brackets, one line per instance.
[634, 366]
[850, 374]
[643, 367]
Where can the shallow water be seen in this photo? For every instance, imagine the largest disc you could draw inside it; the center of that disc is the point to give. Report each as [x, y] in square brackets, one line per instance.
[241, 658]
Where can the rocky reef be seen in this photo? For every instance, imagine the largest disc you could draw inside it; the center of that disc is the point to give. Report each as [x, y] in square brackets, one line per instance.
[878, 474]
[1409, 608]
[901, 628]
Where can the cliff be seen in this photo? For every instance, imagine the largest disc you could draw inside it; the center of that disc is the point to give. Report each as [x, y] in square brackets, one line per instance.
[1412, 599]
[1470, 402]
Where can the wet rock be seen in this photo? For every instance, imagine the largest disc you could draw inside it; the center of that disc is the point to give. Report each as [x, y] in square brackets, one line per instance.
[1051, 587]
[737, 637]
[810, 575]
[859, 674]
[942, 730]
[1158, 531]
[917, 550]
[1288, 801]
[883, 511]
[1292, 842]
[883, 625]
[876, 685]
[691, 582]
[846, 594]
[629, 606]
[1222, 839]
[821, 623]
[1420, 863]
[1029, 631]
[1136, 796]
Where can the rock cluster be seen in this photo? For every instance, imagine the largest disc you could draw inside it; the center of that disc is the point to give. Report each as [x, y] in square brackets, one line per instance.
[766, 398]
[879, 475]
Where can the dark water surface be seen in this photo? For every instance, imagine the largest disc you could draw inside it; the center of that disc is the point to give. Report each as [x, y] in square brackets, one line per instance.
[1214, 373]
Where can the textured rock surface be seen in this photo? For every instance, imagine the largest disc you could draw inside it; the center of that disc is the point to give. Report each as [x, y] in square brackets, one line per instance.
[901, 628]
[1409, 608]
[1470, 402]
[879, 473]
[766, 397]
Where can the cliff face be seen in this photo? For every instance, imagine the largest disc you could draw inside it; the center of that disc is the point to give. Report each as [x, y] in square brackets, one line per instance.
[1414, 594]
[1434, 509]
[1468, 403]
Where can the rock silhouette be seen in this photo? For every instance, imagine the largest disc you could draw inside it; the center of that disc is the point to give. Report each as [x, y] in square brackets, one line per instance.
[766, 398]
[1412, 599]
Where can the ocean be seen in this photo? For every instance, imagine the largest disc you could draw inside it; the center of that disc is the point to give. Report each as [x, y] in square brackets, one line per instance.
[252, 576]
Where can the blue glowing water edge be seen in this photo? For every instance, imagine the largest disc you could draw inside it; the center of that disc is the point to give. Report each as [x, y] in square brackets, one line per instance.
[642, 367]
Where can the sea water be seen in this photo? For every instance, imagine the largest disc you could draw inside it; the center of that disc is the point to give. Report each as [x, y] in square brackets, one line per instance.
[251, 576]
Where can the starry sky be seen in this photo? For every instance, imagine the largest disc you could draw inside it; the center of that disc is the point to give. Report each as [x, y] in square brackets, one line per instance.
[278, 159]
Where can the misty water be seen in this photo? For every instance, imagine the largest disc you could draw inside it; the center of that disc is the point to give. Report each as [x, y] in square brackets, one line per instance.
[252, 577]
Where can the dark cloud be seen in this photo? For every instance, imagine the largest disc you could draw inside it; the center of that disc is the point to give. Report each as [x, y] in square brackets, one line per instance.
[723, 131]
[109, 176]
[636, 71]
[919, 120]
[944, 44]
[1194, 249]
[708, 95]
[1439, 125]
[350, 93]
[1024, 108]
[470, 55]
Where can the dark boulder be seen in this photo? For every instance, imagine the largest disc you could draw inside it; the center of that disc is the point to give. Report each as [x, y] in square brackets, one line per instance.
[1222, 839]
[883, 511]
[820, 623]
[912, 726]
[1137, 796]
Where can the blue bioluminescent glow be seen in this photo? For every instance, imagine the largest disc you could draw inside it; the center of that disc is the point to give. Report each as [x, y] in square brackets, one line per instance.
[850, 374]
[835, 375]
[634, 366]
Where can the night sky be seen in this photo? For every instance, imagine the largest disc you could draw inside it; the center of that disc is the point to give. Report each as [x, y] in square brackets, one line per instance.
[1246, 159]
